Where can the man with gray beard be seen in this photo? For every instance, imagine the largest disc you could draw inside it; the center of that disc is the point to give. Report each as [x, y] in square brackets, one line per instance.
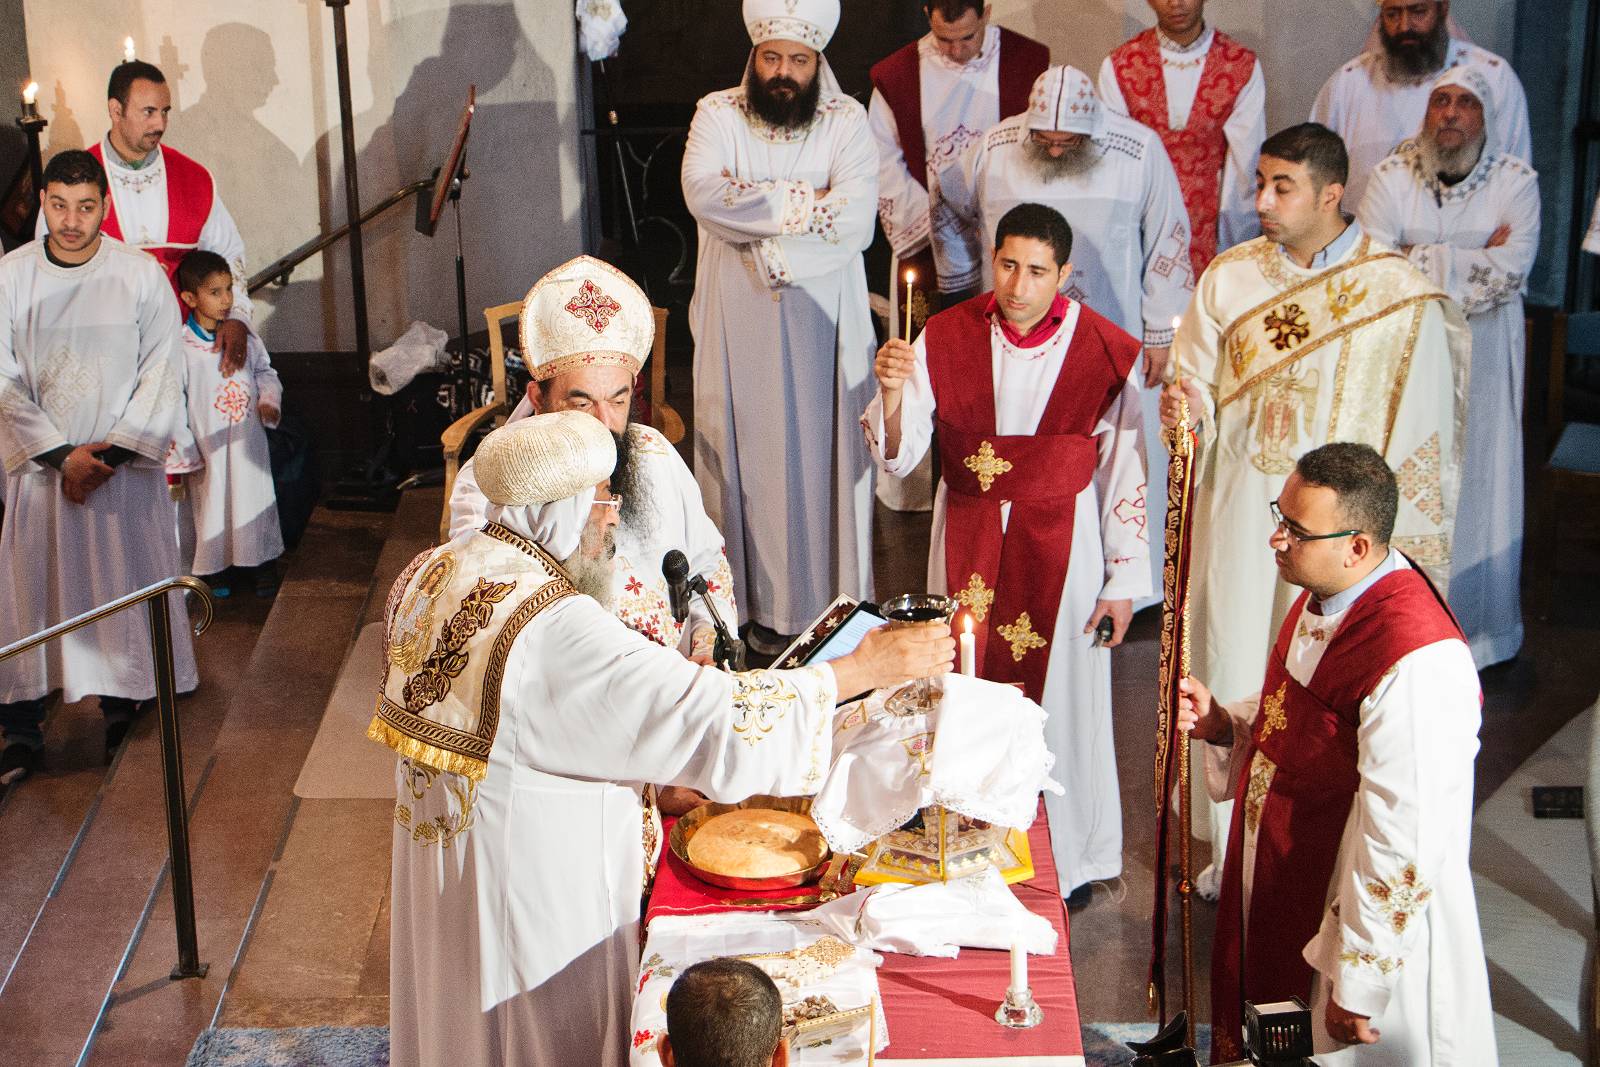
[1377, 100]
[1467, 215]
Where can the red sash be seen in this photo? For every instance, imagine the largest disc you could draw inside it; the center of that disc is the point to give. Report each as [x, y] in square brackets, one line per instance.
[1199, 149]
[190, 192]
[1309, 732]
[1021, 570]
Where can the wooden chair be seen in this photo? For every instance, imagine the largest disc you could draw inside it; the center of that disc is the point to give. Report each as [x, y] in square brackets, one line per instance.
[456, 436]
[1573, 466]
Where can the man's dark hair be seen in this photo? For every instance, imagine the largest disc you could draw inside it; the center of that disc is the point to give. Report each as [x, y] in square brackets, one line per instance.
[1040, 223]
[724, 1013]
[1361, 480]
[123, 75]
[196, 266]
[1319, 148]
[952, 10]
[74, 167]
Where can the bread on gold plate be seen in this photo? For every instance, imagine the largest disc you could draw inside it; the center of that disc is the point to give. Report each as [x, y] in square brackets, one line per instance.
[757, 843]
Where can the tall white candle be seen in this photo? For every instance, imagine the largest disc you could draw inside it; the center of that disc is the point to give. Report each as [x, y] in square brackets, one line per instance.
[911, 276]
[1019, 967]
[969, 651]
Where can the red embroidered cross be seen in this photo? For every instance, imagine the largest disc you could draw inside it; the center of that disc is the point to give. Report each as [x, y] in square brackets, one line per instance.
[233, 401]
[593, 306]
[1132, 511]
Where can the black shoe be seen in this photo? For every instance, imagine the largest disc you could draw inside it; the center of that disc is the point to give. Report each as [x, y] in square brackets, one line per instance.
[116, 732]
[1079, 898]
[121, 713]
[267, 580]
[766, 642]
[18, 761]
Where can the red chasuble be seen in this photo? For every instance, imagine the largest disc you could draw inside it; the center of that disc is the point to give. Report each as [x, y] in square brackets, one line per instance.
[1300, 807]
[1013, 578]
[190, 192]
[1199, 149]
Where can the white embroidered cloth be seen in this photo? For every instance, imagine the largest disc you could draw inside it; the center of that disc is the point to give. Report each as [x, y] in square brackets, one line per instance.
[980, 752]
[677, 941]
[939, 918]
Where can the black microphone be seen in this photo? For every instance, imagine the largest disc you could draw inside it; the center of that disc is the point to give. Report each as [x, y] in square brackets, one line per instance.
[675, 569]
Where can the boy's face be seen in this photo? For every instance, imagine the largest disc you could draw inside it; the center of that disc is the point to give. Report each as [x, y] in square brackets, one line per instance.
[213, 298]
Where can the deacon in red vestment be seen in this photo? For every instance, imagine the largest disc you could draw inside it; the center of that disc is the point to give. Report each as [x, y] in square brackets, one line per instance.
[1203, 94]
[1347, 882]
[1038, 526]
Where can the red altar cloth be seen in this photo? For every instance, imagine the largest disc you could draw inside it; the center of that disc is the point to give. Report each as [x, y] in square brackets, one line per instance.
[941, 1011]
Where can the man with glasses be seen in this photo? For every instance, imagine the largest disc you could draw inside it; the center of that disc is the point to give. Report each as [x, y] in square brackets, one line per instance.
[1347, 879]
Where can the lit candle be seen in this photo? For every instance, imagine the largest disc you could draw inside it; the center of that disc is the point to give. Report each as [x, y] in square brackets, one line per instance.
[969, 651]
[911, 276]
[30, 110]
[1019, 967]
[127, 49]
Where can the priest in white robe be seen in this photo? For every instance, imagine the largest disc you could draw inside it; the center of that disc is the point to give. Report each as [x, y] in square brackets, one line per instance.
[1377, 100]
[781, 175]
[1111, 179]
[526, 719]
[1038, 519]
[90, 402]
[1466, 214]
[1348, 882]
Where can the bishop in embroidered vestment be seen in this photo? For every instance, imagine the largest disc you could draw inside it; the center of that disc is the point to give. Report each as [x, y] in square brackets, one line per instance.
[1203, 94]
[1347, 880]
[1039, 523]
[1311, 333]
[781, 175]
[1466, 214]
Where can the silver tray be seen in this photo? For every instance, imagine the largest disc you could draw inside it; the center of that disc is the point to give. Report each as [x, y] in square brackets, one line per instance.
[686, 827]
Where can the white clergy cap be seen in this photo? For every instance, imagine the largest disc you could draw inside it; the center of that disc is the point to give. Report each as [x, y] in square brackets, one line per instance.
[1063, 101]
[544, 458]
[808, 22]
[585, 313]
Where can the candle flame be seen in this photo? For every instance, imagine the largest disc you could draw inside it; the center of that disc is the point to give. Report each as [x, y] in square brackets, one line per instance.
[30, 92]
[1177, 321]
[911, 276]
[127, 50]
[966, 621]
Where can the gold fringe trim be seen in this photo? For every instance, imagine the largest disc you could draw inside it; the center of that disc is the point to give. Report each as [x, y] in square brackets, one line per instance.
[454, 762]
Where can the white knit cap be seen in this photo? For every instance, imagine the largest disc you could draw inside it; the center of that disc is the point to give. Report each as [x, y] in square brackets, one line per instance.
[585, 313]
[1063, 101]
[809, 22]
[544, 458]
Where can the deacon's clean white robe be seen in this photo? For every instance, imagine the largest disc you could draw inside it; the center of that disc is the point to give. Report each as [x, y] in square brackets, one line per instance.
[1407, 956]
[228, 470]
[672, 516]
[516, 911]
[1244, 129]
[87, 354]
[959, 102]
[1445, 228]
[1375, 115]
[784, 344]
[1110, 560]
[1130, 246]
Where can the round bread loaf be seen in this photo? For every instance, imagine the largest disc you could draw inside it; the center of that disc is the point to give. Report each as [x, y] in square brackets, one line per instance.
[757, 843]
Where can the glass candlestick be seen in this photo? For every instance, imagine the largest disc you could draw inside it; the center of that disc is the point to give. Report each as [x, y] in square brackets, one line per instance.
[1019, 1010]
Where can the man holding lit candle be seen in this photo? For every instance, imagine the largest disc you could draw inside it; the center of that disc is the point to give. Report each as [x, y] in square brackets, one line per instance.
[1034, 523]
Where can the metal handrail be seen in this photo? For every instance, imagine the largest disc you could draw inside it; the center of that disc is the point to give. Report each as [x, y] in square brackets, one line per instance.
[154, 596]
[281, 268]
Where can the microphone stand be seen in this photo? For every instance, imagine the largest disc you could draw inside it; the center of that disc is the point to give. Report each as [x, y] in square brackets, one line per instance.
[728, 650]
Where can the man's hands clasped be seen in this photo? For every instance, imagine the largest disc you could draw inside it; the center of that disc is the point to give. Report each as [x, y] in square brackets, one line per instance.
[83, 471]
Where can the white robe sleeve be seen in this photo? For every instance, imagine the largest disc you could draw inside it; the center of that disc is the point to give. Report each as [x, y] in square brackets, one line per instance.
[269, 387]
[902, 201]
[959, 183]
[1244, 131]
[25, 430]
[1222, 761]
[736, 210]
[617, 707]
[1326, 108]
[1164, 232]
[916, 418]
[1417, 741]
[1120, 481]
[1511, 110]
[468, 507]
[221, 235]
[1197, 349]
[837, 228]
[156, 414]
[704, 547]
[1108, 88]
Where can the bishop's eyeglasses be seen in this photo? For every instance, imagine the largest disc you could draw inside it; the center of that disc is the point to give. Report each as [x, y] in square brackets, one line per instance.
[1290, 529]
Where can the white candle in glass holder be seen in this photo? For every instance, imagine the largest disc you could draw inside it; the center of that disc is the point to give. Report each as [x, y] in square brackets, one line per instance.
[1019, 967]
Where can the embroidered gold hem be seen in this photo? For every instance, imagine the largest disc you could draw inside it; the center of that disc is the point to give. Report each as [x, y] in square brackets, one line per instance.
[412, 748]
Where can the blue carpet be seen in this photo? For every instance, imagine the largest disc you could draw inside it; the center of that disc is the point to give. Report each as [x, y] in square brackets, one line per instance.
[311, 1046]
[1105, 1044]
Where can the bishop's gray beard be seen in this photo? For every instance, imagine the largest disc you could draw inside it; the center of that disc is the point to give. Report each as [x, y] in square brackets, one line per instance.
[1073, 161]
[631, 482]
[594, 577]
[1413, 58]
[1450, 164]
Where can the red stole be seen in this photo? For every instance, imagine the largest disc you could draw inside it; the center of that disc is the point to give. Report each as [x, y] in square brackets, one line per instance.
[1012, 580]
[190, 192]
[1309, 732]
[1200, 148]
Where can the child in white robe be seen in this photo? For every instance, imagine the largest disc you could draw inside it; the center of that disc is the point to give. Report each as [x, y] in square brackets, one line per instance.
[228, 468]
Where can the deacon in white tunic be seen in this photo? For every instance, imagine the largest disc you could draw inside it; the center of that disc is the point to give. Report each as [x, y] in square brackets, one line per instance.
[527, 718]
[90, 401]
[1378, 99]
[781, 175]
[1110, 178]
[1467, 215]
